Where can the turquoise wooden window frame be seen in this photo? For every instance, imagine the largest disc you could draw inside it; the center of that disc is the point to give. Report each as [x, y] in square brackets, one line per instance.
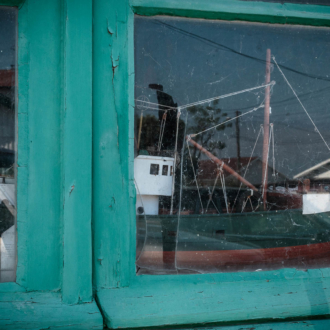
[127, 300]
[54, 270]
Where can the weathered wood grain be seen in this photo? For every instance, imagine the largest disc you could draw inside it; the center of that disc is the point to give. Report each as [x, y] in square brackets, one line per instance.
[46, 311]
[207, 299]
[113, 156]
[286, 13]
[128, 300]
[77, 152]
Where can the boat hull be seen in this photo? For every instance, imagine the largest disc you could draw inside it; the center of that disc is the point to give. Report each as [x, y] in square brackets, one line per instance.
[215, 242]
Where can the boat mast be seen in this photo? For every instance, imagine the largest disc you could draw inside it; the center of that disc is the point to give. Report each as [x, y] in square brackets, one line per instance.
[266, 132]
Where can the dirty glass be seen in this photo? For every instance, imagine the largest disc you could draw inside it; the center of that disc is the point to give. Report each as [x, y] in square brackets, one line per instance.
[235, 118]
[7, 144]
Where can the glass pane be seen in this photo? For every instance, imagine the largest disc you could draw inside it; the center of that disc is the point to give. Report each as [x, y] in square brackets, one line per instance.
[239, 113]
[7, 144]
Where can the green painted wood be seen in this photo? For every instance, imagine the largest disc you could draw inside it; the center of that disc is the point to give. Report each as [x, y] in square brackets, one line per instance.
[77, 151]
[41, 172]
[128, 300]
[11, 287]
[237, 10]
[39, 154]
[284, 275]
[46, 311]
[113, 113]
[168, 302]
[43, 179]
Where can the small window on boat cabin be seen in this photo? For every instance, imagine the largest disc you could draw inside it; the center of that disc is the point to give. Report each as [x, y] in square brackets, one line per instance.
[154, 169]
[165, 170]
[240, 109]
[8, 39]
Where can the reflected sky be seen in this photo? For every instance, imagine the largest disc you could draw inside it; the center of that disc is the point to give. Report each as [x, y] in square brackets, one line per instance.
[198, 59]
[7, 37]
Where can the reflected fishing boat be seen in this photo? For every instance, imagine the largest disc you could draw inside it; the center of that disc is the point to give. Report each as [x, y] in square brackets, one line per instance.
[213, 214]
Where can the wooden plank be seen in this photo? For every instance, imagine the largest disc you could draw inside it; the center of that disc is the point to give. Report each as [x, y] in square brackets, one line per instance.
[169, 302]
[127, 300]
[77, 151]
[46, 311]
[39, 153]
[113, 156]
[237, 10]
[11, 287]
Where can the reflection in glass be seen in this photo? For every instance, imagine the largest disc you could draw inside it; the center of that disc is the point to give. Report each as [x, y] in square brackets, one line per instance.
[7, 144]
[239, 114]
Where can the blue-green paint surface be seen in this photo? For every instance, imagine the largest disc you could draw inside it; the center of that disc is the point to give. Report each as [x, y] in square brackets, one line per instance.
[113, 187]
[258, 11]
[77, 152]
[54, 153]
[46, 311]
[39, 148]
[207, 298]
[128, 300]
[50, 148]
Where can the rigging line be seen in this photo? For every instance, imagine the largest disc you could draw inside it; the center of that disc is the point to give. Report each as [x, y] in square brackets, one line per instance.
[272, 83]
[180, 196]
[215, 207]
[175, 157]
[244, 204]
[223, 184]
[145, 107]
[315, 127]
[247, 167]
[227, 121]
[160, 135]
[226, 48]
[266, 167]
[251, 205]
[156, 104]
[162, 129]
[210, 198]
[182, 157]
[192, 165]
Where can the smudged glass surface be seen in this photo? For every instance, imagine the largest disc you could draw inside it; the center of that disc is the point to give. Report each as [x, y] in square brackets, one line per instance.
[242, 192]
[8, 42]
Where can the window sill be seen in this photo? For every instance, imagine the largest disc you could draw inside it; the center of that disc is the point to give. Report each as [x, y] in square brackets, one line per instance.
[215, 298]
[41, 310]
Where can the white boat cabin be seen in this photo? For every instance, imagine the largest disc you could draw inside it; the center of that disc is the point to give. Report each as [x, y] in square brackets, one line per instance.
[153, 178]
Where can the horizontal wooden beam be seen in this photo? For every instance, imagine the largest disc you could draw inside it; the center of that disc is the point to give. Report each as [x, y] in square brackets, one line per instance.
[257, 11]
[170, 300]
